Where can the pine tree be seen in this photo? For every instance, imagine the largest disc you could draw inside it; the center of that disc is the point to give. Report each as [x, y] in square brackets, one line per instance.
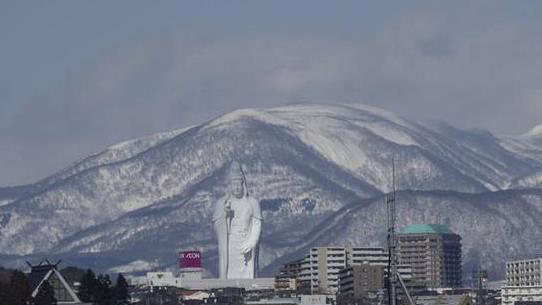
[46, 295]
[89, 286]
[2, 294]
[104, 293]
[121, 288]
[19, 290]
[72, 274]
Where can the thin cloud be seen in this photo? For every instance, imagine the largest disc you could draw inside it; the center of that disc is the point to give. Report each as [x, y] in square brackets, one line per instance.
[467, 65]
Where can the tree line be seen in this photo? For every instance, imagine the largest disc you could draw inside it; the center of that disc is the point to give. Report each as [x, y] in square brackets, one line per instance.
[96, 289]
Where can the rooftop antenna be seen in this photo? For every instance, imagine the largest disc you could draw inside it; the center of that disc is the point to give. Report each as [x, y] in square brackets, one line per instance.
[393, 274]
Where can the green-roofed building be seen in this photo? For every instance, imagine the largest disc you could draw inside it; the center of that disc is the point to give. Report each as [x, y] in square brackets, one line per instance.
[434, 253]
[426, 229]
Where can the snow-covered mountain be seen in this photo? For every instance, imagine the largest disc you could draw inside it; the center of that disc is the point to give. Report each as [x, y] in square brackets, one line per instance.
[533, 180]
[320, 172]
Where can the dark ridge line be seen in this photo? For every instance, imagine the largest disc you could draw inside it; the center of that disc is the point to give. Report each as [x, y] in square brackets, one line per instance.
[63, 181]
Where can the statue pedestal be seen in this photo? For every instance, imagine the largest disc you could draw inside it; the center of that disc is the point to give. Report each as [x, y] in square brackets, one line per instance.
[190, 274]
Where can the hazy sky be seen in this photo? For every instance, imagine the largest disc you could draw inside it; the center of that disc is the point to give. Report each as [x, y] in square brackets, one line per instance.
[76, 76]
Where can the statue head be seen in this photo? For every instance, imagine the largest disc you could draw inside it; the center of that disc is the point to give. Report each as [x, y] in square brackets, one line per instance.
[236, 180]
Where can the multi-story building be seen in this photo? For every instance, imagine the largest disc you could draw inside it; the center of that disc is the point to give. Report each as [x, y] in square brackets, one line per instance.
[367, 279]
[523, 282]
[511, 295]
[362, 281]
[433, 252]
[287, 278]
[320, 269]
[373, 256]
[526, 272]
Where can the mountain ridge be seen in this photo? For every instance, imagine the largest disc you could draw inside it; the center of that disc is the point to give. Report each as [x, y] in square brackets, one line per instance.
[305, 163]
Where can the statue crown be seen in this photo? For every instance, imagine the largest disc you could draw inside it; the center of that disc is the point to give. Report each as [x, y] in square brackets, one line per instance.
[236, 171]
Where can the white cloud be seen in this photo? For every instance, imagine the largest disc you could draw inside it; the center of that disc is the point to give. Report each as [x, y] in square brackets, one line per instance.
[472, 65]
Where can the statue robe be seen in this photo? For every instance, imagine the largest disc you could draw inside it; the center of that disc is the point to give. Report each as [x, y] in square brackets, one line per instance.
[244, 228]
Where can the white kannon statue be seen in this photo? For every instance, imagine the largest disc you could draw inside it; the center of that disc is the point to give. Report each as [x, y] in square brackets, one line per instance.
[237, 221]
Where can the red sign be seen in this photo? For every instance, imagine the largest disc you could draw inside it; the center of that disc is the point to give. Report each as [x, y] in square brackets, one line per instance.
[190, 259]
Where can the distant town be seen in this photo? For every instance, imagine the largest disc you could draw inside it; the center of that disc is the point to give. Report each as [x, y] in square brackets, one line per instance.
[427, 261]
[270, 152]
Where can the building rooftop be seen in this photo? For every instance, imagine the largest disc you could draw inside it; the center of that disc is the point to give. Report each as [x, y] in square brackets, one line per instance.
[426, 229]
[444, 300]
[47, 272]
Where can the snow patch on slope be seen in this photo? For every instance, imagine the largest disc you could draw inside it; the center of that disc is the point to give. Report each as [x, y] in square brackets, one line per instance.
[535, 131]
[147, 141]
[135, 266]
[333, 120]
[6, 201]
[533, 180]
[337, 132]
[522, 146]
[114, 153]
[237, 115]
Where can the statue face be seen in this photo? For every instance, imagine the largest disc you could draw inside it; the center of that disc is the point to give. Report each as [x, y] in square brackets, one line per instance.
[237, 188]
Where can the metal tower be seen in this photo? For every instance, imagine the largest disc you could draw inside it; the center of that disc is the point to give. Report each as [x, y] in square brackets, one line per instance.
[393, 273]
[392, 259]
[480, 278]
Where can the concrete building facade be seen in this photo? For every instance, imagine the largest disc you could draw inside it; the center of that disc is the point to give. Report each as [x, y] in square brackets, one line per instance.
[362, 281]
[288, 277]
[366, 279]
[320, 269]
[523, 282]
[369, 255]
[524, 272]
[157, 280]
[433, 252]
[510, 295]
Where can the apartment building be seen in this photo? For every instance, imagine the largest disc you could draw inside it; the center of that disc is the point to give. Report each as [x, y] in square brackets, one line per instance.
[526, 272]
[523, 282]
[287, 278]
[365, 280]
[433, 252]
[320, 269]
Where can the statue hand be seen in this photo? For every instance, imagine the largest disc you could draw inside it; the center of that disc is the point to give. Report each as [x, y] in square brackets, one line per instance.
[246, 248]
[228, 211]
